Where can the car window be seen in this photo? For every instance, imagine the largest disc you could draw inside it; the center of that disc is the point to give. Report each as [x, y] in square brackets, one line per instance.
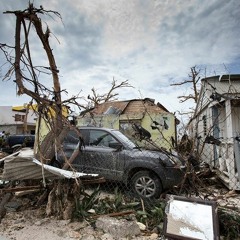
[101, 138]
[124, 139]
[85, 135]
[72, 137]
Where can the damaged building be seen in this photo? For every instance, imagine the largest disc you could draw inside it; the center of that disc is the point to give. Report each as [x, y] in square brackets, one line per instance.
[216, 126]
[159, 123]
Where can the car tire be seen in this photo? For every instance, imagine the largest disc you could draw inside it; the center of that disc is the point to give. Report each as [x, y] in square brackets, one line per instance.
[146, 185]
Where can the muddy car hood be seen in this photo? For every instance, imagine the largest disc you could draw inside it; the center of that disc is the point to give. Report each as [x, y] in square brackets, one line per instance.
[168, 159]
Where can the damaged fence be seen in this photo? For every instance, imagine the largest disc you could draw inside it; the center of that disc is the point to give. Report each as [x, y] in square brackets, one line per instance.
[223, 156]
[118, 181]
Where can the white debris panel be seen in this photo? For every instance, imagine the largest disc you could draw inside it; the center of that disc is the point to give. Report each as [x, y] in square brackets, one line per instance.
[61, 172]
[23, 165]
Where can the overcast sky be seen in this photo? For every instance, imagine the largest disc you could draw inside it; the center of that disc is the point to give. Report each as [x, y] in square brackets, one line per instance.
[149, 43]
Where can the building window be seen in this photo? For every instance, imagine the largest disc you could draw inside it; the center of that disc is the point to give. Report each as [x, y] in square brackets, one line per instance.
[19, 118]
[125, 126]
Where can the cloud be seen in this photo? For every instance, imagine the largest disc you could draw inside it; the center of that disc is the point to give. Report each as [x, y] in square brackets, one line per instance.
[150, 43]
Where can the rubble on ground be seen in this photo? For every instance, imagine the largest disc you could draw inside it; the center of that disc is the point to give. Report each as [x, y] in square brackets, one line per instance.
[22, 218]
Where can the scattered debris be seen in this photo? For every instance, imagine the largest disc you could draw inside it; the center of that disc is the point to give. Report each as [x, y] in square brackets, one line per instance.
[22, 165]
[118, 228]
[19, 196]
[5, 199]
[191, 218]
[13, 206]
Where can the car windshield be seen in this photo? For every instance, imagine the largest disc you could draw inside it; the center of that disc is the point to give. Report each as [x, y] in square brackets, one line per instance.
[124, 139]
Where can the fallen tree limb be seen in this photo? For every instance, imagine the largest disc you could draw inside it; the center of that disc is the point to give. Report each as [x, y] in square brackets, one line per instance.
[26, 192]
[19, 189]
[93, 181]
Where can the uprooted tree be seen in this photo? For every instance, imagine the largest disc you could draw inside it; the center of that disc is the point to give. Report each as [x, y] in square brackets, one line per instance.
[28, 82]
[52, 111]
[193, 82]
[50, 107]
[186, 145]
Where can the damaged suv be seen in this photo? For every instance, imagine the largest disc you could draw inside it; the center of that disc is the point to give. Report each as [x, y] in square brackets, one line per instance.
[110, 154]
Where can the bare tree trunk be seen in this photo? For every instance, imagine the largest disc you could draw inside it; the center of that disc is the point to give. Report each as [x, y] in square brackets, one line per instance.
[52, 141]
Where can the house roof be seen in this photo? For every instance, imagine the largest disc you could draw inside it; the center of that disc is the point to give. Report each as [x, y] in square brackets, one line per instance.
[224, 85]
[128, 106]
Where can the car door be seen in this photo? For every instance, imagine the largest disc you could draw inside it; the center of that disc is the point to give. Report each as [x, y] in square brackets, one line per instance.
[69, 144]
[102, 154]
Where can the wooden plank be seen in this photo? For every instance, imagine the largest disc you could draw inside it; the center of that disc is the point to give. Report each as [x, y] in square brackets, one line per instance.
[22, 193]
[16, 189]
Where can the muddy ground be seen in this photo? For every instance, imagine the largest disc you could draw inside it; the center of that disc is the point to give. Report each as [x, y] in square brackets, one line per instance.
[31, 224]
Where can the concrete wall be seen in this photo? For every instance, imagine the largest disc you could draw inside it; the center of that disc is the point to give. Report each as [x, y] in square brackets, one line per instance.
[9, 129]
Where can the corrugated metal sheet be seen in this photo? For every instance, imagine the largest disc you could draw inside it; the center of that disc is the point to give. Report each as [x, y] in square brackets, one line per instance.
[22, 167]
[222, 84]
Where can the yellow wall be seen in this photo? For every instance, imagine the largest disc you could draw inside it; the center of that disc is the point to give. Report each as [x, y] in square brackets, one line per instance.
[161, 136]
[43, 127]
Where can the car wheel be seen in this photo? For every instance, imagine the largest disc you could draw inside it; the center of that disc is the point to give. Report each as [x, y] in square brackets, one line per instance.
[146, 184]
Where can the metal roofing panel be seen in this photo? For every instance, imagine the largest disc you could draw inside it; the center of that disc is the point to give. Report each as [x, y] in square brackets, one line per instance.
[22, 165]
[227, 85]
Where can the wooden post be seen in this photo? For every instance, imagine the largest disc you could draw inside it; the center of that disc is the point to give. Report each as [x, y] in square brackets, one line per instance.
[230, 159]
